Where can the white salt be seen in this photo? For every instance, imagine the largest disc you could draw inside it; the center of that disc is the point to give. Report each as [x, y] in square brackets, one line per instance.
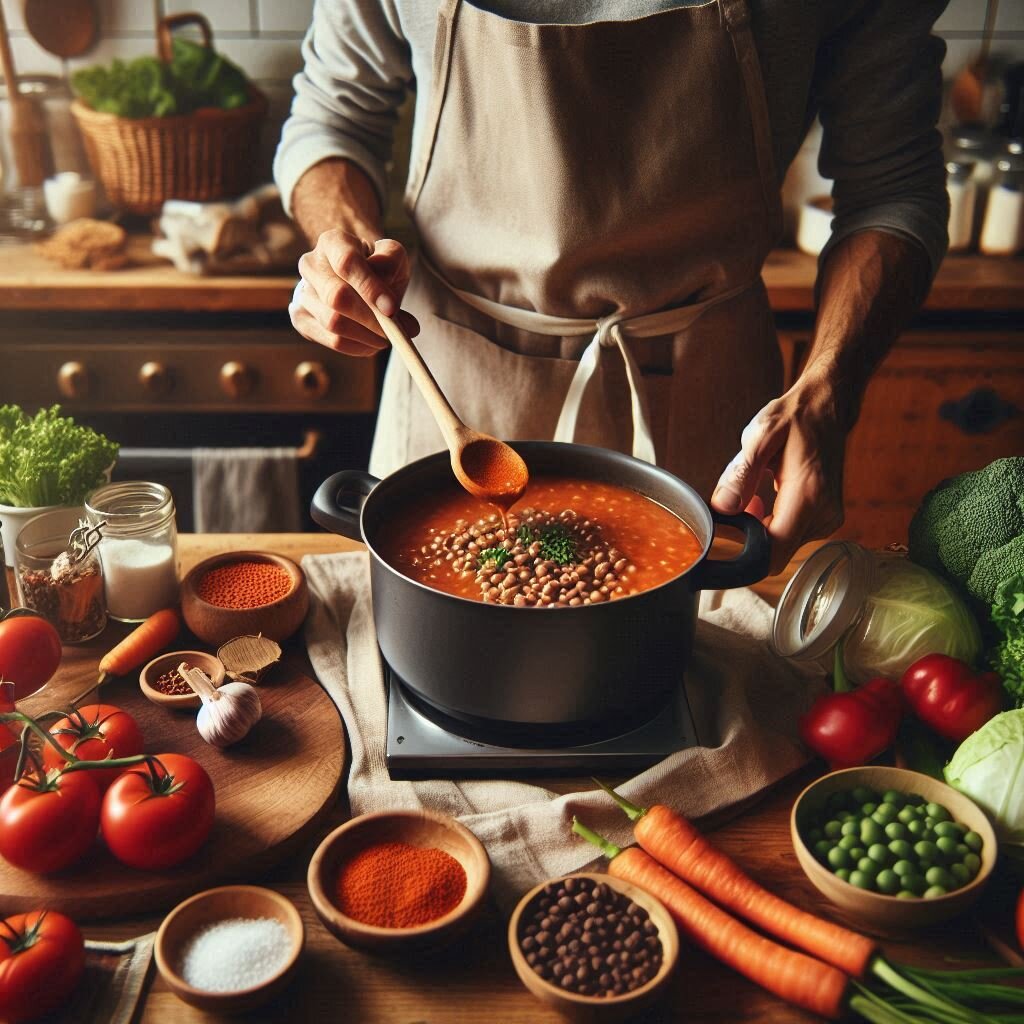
[139, 576]
[235, 954]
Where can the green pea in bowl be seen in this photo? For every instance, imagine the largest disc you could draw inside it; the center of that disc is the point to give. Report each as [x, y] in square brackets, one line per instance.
[893, 849]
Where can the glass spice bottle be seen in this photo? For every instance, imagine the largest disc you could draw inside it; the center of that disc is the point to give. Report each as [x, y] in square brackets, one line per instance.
[139, 549]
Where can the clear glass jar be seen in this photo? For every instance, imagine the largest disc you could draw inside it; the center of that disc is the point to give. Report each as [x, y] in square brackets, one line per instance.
[963, 195]
[139, 549]
[885, 610]
[70, 596]
[1002, 231]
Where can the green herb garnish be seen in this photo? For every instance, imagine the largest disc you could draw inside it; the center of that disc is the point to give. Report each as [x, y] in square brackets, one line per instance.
[499, 556]
[557, 544]
[526, 534]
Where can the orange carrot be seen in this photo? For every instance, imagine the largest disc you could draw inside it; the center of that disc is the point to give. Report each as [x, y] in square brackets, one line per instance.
[795, 977]
[672, 841]
[141, 644]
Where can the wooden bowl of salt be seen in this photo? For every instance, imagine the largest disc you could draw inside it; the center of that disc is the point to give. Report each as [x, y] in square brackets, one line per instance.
[387, 856]
[244, 592]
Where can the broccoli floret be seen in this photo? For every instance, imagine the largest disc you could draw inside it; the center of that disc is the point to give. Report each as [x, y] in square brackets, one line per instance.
[970, 528]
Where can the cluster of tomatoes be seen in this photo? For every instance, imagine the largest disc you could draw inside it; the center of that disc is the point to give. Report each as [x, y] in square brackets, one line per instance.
[153, 811]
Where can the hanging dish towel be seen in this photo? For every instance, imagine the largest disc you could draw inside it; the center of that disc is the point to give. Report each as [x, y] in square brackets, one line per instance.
[246, 490]
[744, 699]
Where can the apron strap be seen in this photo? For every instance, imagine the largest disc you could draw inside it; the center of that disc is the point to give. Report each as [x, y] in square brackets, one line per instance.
[609, 335]
[608, 332]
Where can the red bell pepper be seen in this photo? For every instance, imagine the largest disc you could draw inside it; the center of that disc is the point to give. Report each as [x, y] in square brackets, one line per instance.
[950, 697]
[851, 727]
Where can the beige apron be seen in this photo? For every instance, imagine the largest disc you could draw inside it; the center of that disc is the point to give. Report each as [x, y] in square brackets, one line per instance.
[594, 204]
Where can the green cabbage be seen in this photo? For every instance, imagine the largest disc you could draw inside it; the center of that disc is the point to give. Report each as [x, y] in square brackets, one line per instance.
[989, 768]
[910, 613]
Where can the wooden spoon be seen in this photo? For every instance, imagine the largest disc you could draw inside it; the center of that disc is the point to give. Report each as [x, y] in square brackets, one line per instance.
[486, 467]
[30, 144]
[66, 28]
[968, 88]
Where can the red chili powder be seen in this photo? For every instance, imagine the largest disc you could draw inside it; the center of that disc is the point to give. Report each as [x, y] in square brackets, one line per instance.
[244, 585]
[394, 885]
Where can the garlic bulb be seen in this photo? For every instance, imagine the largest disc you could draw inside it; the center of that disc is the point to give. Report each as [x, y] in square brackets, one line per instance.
[228, 712]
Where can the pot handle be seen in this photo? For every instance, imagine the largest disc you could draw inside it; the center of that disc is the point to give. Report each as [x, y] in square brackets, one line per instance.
[328, 507]
[749, 566]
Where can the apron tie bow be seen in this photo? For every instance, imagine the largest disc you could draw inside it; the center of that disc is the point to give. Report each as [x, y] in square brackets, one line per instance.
[608, 335]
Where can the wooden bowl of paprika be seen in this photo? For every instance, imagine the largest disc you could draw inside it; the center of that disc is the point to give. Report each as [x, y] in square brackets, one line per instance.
[399, 880]
[244, 593]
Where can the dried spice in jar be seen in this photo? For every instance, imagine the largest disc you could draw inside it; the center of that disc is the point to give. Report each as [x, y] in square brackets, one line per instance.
[246, 584]
[394, 885]
[590, 939]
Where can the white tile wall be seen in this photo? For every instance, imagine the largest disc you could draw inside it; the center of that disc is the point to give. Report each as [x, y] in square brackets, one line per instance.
[284, 15]
[223, 15]
[126, 16]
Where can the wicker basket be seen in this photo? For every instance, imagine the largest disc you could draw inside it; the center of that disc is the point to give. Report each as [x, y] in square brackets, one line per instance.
[208, 154]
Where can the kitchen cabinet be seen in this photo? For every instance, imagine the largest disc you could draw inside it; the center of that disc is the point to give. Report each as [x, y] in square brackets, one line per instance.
[948, 398]
[229, 368]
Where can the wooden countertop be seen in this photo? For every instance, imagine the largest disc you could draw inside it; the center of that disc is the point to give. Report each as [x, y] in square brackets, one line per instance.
[28, 282]
[474, 981]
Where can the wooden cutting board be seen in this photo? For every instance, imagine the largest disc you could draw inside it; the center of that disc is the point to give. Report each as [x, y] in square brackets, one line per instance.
[273, 789]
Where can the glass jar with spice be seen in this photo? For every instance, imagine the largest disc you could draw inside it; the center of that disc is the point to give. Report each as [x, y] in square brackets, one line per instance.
[67, 590]
[139, 549]
[880, 609]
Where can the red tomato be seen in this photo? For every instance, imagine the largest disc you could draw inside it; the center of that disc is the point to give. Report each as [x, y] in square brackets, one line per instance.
[29, 652]
[45, 830]
[155, 823]
[950, 697]
[95, 733]
[8, 738]
[42, 957]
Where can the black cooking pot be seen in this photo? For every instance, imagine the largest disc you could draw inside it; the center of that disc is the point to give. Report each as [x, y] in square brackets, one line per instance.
[499, 669]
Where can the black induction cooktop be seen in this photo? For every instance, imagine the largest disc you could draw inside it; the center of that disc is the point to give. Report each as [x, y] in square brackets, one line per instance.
[424, 744]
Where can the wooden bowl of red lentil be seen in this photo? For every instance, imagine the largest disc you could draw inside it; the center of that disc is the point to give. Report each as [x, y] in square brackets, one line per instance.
[160, 682]
[397, 881]
[244, 593]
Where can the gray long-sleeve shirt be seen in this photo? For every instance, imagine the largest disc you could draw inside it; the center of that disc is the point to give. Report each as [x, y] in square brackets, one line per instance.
[869, 68]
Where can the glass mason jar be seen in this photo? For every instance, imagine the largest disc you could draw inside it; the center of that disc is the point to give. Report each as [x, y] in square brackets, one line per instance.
[139, 549]
[70, 597]
[963, 197]
[1002, 231]
[885, 610]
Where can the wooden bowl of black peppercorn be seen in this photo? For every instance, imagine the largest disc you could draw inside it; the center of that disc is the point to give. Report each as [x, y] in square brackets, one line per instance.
[596, 948]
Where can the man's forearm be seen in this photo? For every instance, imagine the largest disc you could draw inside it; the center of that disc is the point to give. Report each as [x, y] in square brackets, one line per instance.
[871, 285]
[336, 193]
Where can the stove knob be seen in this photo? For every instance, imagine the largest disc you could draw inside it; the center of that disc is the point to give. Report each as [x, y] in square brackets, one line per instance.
[155, 378]
[312, 379]
[73, 380]
[236, 379]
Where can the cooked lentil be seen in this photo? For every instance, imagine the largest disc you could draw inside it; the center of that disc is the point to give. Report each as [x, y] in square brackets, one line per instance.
[244, 584]
[589, 939]
[604, 542]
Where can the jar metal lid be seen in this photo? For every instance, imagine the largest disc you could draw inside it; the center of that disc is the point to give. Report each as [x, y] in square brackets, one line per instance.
[822, 599]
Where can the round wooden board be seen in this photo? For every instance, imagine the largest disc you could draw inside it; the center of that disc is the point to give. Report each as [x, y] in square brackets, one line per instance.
[272, 790]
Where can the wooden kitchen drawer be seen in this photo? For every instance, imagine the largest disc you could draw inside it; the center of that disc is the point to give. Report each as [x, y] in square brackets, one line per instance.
[208, 370]
[943, 402]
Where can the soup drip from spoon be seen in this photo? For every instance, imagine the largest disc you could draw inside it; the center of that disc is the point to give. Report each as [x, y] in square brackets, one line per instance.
[486, 467]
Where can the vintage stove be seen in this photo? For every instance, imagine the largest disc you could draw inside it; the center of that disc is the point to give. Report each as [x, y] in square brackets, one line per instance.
[424, 743]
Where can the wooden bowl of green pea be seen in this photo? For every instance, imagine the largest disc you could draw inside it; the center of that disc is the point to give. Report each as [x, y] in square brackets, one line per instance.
[893, 849]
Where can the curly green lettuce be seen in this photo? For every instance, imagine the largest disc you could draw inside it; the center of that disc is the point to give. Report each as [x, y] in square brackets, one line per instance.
[1007, 657]
[48, 459]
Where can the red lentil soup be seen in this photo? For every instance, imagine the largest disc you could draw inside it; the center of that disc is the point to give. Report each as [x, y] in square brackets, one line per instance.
[568, 542]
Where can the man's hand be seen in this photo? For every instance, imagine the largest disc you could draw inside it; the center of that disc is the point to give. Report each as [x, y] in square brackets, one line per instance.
[341, 278]
[792, 452]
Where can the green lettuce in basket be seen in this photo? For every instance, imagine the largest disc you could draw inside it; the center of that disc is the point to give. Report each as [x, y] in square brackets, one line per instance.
[196, 77]
[48, 459]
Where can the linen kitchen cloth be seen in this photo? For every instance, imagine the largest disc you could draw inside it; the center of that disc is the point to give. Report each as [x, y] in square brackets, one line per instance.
[246, 490]
[744, 699]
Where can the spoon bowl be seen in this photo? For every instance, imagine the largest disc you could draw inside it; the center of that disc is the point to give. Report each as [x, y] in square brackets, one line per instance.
[486, 467]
